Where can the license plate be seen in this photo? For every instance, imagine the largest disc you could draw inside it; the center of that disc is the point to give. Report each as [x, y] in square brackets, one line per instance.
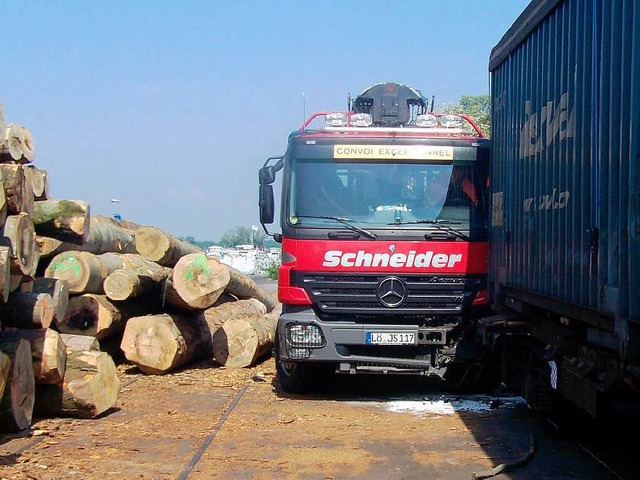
[390, 338]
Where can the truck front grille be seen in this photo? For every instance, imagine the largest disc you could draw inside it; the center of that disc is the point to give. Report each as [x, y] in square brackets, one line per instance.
[356, 294]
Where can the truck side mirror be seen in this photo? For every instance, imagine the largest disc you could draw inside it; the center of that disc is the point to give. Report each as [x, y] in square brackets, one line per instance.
[266, 203]
[267, 175]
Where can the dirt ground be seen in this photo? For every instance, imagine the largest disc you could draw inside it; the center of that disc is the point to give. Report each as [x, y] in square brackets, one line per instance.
[209, 422]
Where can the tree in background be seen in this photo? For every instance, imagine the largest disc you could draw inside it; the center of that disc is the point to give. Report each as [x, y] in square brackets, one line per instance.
[202, 244]
[236, 236]
[478, 107]
[243, 236]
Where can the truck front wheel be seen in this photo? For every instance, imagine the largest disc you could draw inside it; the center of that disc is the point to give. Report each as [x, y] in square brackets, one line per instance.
[299, 377]
[294, 377]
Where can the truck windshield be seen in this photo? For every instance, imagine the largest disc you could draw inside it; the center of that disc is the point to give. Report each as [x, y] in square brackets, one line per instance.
[387, 195]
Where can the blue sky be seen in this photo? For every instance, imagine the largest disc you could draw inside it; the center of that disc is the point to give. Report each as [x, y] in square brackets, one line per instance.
[172, 106]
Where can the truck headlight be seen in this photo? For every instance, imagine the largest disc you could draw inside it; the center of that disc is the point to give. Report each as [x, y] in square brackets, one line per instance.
[304, 335]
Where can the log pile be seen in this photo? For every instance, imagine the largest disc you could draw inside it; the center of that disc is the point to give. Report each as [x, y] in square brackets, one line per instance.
[79, 290]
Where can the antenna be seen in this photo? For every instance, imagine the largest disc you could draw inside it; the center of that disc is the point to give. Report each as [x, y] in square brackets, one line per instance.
[304, 107]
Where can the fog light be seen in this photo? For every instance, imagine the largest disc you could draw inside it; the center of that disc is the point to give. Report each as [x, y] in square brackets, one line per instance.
[304, 335]
[298, 353]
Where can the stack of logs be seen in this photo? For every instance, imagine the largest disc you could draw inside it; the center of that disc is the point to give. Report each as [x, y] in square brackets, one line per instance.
[78, 292]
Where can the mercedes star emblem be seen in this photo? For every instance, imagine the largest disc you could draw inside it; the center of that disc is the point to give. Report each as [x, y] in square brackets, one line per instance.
[391, 291]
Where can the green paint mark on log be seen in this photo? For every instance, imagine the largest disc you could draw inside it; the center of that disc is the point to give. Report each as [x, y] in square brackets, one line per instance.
[66, 264]
[197, 267]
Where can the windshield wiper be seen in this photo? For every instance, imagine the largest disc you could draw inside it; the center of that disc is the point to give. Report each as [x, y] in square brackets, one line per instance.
[346, 223]
[443, 225]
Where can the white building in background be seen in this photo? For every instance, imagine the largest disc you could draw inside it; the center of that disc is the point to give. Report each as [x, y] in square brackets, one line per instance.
[214, 251]
[246, 258]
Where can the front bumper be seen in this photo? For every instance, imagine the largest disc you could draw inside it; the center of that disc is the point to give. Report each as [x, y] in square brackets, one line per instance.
[344, 343]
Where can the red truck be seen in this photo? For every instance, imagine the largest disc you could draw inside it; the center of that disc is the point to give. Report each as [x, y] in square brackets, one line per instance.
[384, 217]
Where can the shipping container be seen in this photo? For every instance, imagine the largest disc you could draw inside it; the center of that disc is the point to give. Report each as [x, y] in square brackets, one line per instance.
[565, 188]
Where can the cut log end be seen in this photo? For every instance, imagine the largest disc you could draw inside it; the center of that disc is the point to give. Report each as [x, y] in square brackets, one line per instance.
[71, 267]
[150, 343]
[163, 342]
[79, 343]
[16, 405]
[89, 314]
[90, 388]
[152, 243]
[120, 285]
[93, 394]
[5, 367]
[240, 342]
[197, 281]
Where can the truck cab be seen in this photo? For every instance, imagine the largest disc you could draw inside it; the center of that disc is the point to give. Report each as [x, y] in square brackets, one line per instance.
[384, 217]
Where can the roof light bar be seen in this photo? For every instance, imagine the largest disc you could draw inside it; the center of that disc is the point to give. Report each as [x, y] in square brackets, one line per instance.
[426, 120]
[361, 120]
[451, 121]
[335, 119]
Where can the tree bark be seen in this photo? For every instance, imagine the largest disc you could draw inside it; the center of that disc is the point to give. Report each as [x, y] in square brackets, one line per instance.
[17, 403]
[241, 342]
[95, 315]
[5, 274]
[158, 344]
[225, 298]
[105, 236]
[123, 224]
[79, 343]
[15, 281]
[39, 182]
[3, 201]
[31, 274]
[160, 247]
[242, 286]
[196, 282]
[65, 220]
[3, 125]
[48, 353]
[90, 387]
[59, 291]
[27, 310]
[18, 233]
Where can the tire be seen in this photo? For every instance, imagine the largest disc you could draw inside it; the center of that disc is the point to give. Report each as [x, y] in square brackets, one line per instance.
[299, 377]
[293, 377]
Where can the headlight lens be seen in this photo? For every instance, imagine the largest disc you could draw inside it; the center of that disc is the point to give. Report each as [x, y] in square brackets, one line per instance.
[304, 335]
